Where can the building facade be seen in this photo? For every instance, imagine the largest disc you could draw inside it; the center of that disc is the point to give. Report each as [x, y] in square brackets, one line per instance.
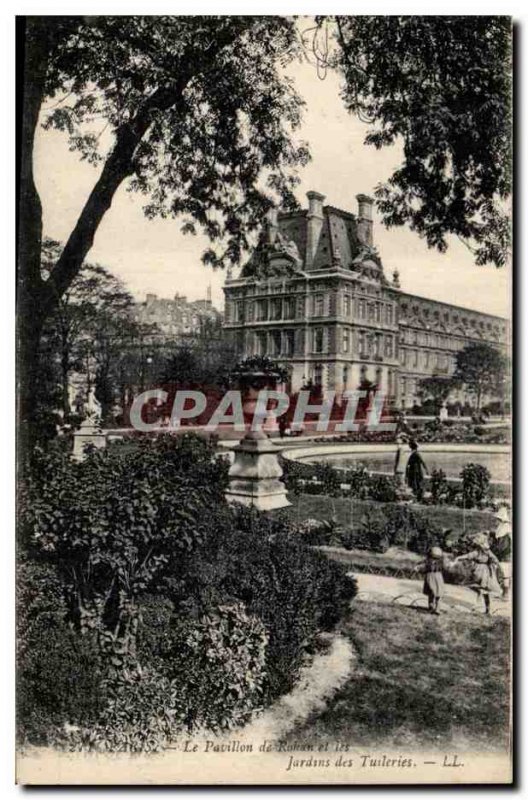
[176, 316]
[314, 295]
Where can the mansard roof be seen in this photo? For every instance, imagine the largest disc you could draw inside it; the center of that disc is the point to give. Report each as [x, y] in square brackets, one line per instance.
[461, 310]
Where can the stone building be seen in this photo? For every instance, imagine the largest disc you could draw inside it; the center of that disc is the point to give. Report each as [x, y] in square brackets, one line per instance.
[177, 316]
[314, 295]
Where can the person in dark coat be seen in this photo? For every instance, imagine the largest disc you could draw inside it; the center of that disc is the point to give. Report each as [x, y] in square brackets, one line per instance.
[414, 471]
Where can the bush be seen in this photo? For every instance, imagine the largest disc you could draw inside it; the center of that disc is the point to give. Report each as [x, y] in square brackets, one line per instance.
[59, 672]
[316, 532]
[359, 481]
[142, 714]
[114, 524]
[169, 608]
[475, 485]
[329, 478]
[211, 671]
[383, 488]
[439, 487]
[263, 563]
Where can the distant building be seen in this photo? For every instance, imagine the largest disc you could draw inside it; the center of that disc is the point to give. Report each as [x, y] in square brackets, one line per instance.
[177, 317]
[314, 295]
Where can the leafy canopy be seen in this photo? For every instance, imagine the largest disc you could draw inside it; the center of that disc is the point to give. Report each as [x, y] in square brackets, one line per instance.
[436, 388]
[442, 87]
[481, 368]
[204, 101]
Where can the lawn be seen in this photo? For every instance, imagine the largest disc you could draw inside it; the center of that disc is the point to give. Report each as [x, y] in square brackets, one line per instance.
[349, 511]
[396, 561]
[419, 682]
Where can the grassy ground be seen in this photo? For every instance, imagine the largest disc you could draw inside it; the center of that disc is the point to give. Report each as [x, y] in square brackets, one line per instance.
[348, 511]
[420, 682]
[394, 562]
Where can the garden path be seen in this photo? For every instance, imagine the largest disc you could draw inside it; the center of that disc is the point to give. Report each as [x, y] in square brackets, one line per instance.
[407, 592]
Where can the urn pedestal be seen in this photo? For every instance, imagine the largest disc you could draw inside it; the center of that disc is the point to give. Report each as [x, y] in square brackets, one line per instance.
[89, 433]
[254, 476]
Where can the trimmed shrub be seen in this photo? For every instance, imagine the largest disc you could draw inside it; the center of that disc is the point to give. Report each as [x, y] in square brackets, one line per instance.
[439, 487]
[383, 489]
[262, 563]
[475, 485]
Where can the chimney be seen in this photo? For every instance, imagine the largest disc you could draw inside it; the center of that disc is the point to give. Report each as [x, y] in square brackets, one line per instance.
[364, 219]
[272, 226]
[314, 223]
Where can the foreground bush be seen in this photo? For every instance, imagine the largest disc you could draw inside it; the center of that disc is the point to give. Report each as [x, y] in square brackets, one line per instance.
[260, 561]
[60, 672]
[164, 608]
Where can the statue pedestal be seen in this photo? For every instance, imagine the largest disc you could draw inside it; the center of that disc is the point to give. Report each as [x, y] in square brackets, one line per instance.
[89, 433]
[254, 474]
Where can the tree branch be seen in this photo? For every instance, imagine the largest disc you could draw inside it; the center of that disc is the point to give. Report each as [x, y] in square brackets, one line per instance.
[120, 165]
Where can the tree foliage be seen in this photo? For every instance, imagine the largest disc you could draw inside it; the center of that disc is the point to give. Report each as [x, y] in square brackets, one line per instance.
[198, 112]
[482, 369]
[436, 388]
[440, 86]
[195, 113]
[93, 329]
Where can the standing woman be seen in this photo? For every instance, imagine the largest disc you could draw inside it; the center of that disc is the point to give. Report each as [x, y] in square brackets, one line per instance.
[414, 471]
[501, 547]
[485, 567]
[401, 439]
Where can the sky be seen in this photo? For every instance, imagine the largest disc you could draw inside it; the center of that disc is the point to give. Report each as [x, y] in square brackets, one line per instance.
[154, 256]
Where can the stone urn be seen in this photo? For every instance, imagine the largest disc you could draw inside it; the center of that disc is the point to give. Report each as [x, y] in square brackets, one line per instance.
[254, 476]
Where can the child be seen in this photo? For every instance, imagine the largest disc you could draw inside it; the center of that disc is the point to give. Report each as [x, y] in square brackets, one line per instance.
[485, 566]
[434, 579]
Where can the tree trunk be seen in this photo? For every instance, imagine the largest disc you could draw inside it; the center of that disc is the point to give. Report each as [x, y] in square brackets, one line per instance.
[37, 298]
[30, 316]
[65, 375]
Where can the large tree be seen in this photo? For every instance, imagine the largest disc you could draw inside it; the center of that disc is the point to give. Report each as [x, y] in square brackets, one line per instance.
[441, 87]
[198, 114]
[482, 369]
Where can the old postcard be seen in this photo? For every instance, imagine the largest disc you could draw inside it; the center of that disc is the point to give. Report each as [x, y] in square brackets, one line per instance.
[264, 400]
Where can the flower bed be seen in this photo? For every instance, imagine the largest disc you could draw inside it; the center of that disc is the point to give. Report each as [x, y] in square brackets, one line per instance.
[473, 490]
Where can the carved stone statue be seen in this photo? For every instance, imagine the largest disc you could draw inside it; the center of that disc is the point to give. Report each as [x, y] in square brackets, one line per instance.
[287, 246]
[92, 407]
[273, 259]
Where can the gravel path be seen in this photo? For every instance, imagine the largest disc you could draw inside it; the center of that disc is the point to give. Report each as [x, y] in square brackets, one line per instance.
[406, 592]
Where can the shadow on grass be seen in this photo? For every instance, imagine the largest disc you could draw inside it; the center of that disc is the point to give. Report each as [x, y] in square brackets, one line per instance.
[420, 680]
